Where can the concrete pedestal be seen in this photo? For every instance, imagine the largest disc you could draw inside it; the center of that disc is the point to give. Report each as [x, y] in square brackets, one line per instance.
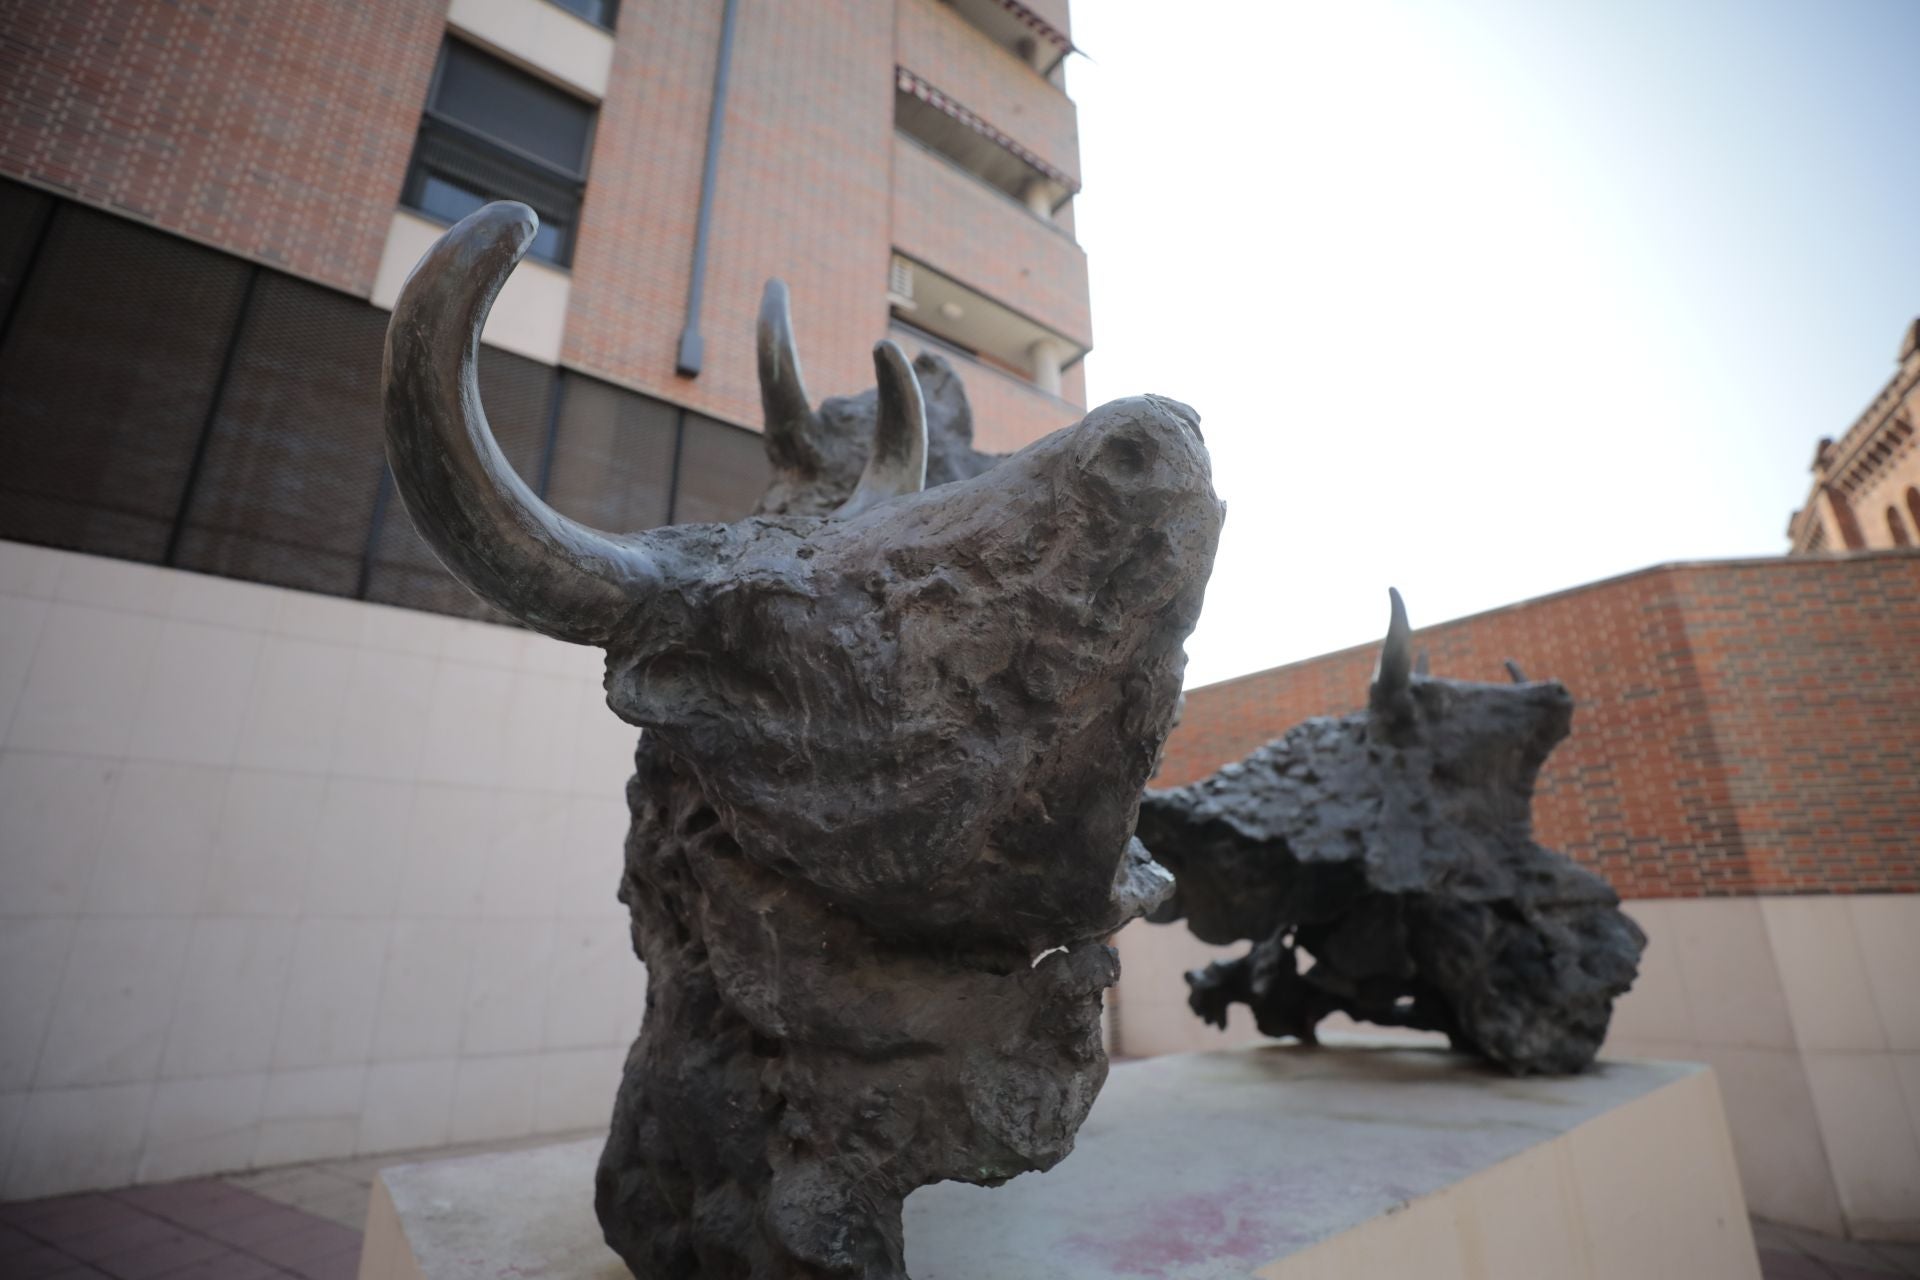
[1277, 1162]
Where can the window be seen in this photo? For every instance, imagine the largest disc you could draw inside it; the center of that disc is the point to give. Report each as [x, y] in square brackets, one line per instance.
[599, 12]
[493, 132]
[1896, 528]
[1913, 505]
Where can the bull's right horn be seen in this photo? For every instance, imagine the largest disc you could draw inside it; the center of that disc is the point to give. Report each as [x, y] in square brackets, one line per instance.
[898, 463]
[493, 533]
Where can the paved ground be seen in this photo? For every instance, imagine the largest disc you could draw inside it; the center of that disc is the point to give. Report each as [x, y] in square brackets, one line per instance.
[299, 1221]
[1786, 1254]
[305, 1221]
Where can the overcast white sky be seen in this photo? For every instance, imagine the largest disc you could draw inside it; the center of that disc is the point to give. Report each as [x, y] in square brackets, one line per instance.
[1484, 300]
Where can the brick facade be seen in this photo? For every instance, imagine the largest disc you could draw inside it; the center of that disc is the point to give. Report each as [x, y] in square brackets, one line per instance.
[1741, 727]
[278, 131]
[803, 193]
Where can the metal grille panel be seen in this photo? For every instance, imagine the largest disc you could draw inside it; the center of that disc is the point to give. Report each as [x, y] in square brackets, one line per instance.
[165, 402]
[105, 383]
[613, 458]
[287, 486]
[723, 472]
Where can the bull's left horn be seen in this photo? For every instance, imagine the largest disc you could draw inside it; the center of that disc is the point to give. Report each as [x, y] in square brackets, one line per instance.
[559, 577]
[787, 414]
[898, 463]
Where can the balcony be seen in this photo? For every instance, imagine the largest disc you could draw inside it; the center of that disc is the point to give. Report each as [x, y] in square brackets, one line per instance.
[941, 47]
[927, 116]
[1037, 38]
[1009, 412]
[981, 327]
[948, 220]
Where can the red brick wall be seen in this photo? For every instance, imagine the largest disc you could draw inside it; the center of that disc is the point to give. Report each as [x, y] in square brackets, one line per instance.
[802, 193]
[1740, 727]
[275, 129]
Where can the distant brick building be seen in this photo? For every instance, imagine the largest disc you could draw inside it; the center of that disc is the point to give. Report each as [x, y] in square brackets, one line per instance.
[1866, 484]
[1741, 769]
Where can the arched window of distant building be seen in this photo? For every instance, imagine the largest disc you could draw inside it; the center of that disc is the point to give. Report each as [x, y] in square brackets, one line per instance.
[1897, 527]
[1913, 504]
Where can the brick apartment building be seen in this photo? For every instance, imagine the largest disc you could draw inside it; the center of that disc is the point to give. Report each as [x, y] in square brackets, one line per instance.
[1740, 770]
[261, 177]
[299, 855]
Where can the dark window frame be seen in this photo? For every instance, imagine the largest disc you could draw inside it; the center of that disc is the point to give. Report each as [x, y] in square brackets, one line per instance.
[444, 144]
[612, 19]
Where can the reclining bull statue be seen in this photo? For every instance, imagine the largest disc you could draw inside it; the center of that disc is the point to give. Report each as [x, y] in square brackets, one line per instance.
[1394, 847]
[894, 743]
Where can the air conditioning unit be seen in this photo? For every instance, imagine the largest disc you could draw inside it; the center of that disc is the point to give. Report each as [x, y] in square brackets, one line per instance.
[900, 284]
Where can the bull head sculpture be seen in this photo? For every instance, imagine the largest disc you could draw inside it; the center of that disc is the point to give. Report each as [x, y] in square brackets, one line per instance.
[1394, 848]
[893, 746]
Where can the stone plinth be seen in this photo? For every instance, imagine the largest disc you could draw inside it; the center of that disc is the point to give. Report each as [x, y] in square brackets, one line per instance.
[1277, 1162]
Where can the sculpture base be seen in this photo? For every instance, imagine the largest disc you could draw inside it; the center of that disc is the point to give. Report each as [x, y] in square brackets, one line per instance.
[1280, 1162]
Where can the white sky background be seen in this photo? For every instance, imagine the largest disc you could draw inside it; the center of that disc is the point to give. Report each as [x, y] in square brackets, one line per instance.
[1483, 300]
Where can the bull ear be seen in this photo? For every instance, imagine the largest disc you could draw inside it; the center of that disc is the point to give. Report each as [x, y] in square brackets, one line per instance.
[898, 462]
[1514, 673]
[791, 423]
[1393, 673]
[492, 532]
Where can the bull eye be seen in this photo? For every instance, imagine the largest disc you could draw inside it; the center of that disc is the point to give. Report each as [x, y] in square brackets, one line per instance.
[1126, 455]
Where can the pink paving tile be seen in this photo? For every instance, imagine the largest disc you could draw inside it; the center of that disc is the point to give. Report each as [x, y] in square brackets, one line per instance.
[13, 1240]
[158, 1259]
[320, 1241]
[230, 1265]
[1778, 1264]
[62, 1217]
[256, 1229]
[42, 1262]
[201, 1203]
[131, 1231]
[341, 1266]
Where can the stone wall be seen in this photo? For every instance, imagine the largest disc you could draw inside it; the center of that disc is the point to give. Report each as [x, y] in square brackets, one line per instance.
[286, 877]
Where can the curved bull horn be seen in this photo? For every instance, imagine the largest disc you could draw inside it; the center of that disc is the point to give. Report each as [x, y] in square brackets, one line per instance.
[1394, 671]
[784, 407]
[559, 577]
[1514, 673]
[898, 463]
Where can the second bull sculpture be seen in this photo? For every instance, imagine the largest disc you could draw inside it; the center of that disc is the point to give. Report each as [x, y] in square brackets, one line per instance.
[893, 751]
[1395, 848]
